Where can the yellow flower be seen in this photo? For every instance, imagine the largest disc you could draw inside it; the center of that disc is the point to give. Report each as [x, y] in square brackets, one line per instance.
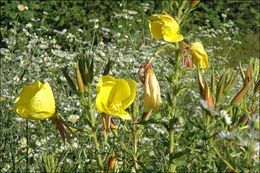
[152, 97]
[163, 26]
[115, 95]
[35, 102]
[199, 56]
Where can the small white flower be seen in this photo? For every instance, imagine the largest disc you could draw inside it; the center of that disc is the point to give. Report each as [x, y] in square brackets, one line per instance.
[75, 145]
[38, 143]
[28, 25]
[227, 119]
[30, 151]
[80, 30]
[63, 31]
[34, 136]
[93, 20]
[21, 7]
[70, 36]
[105, 29]
[257, 157]
[43, 46]
[23, 148]
[73, 118]
[23, 141]
[227, 135]
[44, 141]
[223, 15]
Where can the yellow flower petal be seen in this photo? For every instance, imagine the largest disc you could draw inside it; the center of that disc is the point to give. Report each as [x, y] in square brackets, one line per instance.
[120, 91]
[155, 30]
[133, 88]
[35, 102]
[164, 27]
[199, 56]
[115, 95]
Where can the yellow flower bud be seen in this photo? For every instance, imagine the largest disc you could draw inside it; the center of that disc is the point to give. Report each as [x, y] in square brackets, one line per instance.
[115, 95]
[164, 26]
[152, 96]
[199, 56]
[35, 102]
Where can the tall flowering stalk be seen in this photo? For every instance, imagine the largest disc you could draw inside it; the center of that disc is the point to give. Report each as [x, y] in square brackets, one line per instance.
[167, 27]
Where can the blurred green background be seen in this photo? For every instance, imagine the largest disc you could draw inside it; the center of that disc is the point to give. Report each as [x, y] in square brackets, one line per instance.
[73, 15]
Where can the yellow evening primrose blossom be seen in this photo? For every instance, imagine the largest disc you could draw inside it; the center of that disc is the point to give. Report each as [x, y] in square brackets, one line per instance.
[115, 95]
[199, 56]
[35, 102]
[152, 96]
[164, 26]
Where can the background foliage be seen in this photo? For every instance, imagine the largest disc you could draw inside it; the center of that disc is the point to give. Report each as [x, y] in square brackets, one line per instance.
[60, 30]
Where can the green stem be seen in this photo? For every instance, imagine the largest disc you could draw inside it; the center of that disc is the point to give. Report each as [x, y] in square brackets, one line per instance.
[135, 144]
[172, 165]
[226, 162]
[100, 163]
[27, 147]
[92, 119]
[125, 148]
[93, 127]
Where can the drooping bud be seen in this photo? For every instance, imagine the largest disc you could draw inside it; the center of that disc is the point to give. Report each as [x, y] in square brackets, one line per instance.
[152, 96]
[112, 161]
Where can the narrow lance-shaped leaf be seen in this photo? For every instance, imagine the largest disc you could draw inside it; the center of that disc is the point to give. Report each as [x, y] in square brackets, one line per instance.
[241, 93]
[231, 83]
[213, 80]
[200, 80]
[247, 75]
[107, 68]
[69, 80]
[221, 87]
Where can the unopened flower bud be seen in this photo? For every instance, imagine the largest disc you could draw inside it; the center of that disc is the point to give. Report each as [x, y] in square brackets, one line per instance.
[207, 96]
[152, 96]
[112, 161]
[247, 75]
[79, 80]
